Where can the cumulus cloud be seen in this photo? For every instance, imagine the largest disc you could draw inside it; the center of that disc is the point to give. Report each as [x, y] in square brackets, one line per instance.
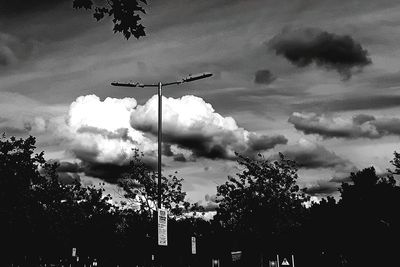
[103, 134]
[303, 47]
[309, 155]
[359, 126]
[192, 124]
[100, 135]
[264, 77]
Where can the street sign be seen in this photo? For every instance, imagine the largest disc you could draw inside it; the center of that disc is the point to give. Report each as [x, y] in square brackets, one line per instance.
[193, 245]
[162, 227]
[73, 252]
[236, 255]
[285, 262]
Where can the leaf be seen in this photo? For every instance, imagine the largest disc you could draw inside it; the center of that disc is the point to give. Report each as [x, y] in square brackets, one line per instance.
[87, 4]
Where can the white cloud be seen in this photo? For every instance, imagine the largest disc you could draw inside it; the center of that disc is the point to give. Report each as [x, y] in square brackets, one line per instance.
[193, 124]
[101, 132]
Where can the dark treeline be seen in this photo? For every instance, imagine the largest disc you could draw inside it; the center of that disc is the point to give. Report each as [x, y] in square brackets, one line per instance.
[260, 212]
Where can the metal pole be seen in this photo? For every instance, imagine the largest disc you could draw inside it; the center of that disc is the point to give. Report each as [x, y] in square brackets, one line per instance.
[159, 141]
[187, 79]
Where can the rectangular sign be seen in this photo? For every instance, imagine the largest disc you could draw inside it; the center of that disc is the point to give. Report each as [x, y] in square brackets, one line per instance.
[162, 227]
[236, 255]
[193, 245]
[73, 252]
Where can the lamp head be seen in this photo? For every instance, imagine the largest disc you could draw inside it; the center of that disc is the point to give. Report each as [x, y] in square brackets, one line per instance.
[194, 77]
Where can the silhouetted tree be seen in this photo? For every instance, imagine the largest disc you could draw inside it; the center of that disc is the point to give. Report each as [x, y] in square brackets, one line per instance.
[125, 14]
[43, 217]
[263, 194]
[368, 204]
[140, 184]
[18, 173]
[262, 203]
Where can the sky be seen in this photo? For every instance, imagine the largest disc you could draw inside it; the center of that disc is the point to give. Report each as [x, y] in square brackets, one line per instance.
[315, 80]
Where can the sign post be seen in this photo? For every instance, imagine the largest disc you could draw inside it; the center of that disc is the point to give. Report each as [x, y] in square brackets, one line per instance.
[162, 227]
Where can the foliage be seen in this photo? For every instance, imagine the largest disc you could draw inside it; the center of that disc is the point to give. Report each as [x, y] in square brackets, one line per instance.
[19, 164]
[262, 199]
[37, 210]
[260, 211]
[141, 186]
[125, 14]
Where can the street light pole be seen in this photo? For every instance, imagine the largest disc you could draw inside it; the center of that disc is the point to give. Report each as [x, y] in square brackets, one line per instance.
[159, 143]
[187, 79]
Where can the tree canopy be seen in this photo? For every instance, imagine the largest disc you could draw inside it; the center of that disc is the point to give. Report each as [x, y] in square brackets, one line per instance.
[140, 184]
[263, 199]
[125, 14]
[260, 212]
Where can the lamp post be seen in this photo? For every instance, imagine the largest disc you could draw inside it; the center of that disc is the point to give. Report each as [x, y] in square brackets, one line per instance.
[160, 85]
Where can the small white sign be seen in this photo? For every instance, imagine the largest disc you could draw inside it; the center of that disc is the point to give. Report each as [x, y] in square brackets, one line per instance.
[236, 255]
[285, 262]
[73, 252]
[193, 245]
[162, 227]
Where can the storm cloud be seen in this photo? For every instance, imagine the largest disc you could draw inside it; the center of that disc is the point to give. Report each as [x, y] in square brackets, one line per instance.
[359, 126]
[302, 47]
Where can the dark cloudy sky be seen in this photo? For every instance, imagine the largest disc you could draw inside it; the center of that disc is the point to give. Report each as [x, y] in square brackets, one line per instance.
[316, 80]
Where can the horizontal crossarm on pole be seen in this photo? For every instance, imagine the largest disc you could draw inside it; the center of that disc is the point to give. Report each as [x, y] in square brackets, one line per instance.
[133, 84]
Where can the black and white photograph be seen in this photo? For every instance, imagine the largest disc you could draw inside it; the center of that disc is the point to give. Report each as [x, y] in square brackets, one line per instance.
[209, 133]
